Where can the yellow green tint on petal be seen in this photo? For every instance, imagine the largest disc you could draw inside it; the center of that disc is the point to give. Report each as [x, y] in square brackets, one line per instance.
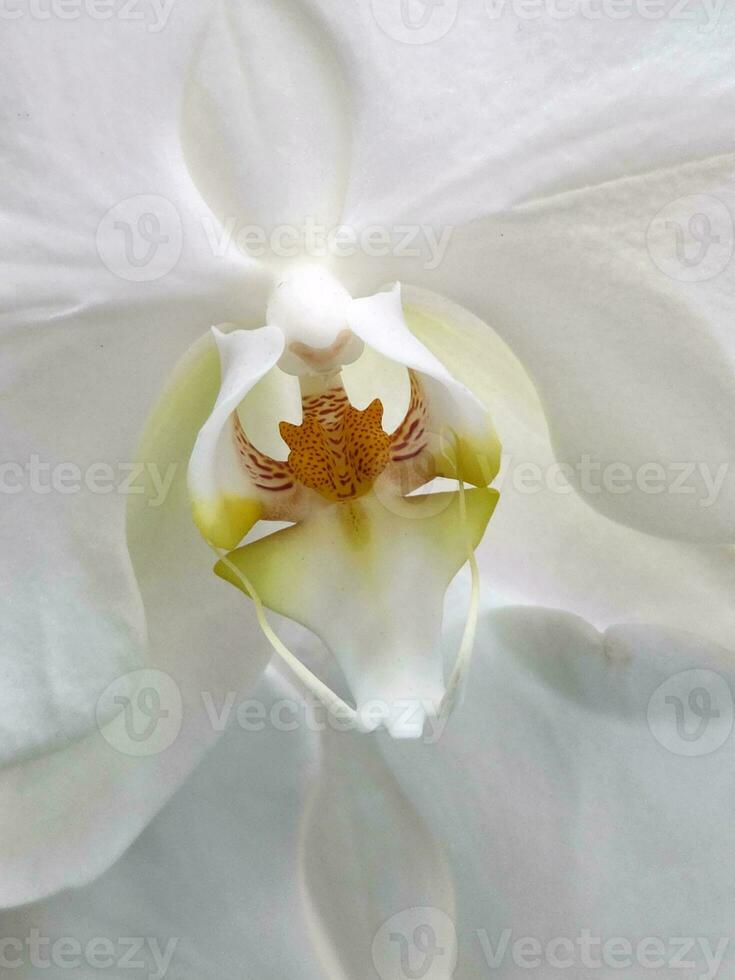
[473, 460]
[226, 520]
[169, 438]
[473, 457]
[354, 553]
[171, 431]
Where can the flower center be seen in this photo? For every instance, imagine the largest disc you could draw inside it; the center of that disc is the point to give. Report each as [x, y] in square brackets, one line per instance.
[338, 450]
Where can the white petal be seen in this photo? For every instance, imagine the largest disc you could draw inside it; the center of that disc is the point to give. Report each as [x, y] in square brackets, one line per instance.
[633, 367]
[602, 148]
[379, 321]
[217, 871]
[75, 398]
[455, 413]
[544, 544]
[576, 783]
[368, 861]
[65, 817]
[225, 499]
[117, 220]
[264, 126]
[497, 103]
[88, 338]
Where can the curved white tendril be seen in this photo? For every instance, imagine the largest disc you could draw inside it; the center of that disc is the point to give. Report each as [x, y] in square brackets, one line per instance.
[455, 685]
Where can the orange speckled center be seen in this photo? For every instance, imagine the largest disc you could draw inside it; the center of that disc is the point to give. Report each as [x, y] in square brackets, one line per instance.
[338, 450]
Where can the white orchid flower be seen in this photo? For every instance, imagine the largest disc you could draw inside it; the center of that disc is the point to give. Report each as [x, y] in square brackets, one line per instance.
[561, 155]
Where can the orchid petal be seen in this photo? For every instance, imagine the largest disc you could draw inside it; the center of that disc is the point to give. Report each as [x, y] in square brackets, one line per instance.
[260, 158]
[576, 778]
[369, 579]
[465, 444]
[555, 205]
[67, 816]
[634, 368]
[500, 103]
[211, 887]
[225, 499]
[545, 545]
[75, 619]
[89, 332]
[368, 861]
